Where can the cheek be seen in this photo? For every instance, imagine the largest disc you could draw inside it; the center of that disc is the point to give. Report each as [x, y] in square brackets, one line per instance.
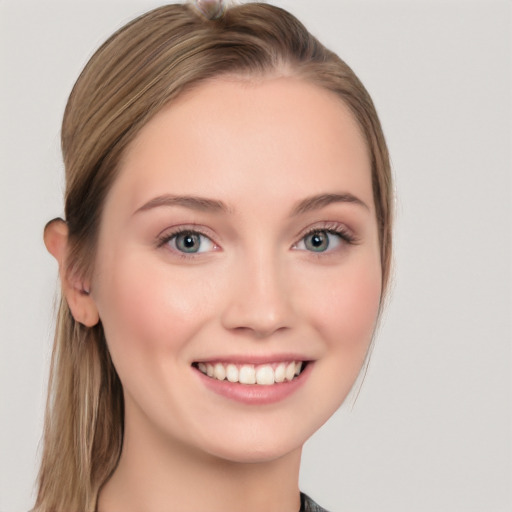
[342, 308]
[354, 306]
[145, 310]
[345, 307]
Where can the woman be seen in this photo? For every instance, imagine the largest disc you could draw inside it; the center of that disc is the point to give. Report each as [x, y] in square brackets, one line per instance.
[223, 261]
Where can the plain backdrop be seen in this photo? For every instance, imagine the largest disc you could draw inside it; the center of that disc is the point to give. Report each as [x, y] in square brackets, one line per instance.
[430, 430]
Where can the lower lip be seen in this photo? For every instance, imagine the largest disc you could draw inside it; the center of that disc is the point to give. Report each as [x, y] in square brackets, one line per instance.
[255, 394]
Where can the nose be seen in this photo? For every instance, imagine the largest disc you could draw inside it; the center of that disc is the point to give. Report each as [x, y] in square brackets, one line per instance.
[259, 301]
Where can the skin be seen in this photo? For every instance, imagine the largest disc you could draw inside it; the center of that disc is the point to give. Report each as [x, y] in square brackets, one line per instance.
[255, 289]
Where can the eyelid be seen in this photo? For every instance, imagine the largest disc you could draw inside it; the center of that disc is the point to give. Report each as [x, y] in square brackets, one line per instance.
[346, 237]
[171, 232]
[332, 227]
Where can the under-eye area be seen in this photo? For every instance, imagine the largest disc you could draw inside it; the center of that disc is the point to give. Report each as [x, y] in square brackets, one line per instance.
[262, 374]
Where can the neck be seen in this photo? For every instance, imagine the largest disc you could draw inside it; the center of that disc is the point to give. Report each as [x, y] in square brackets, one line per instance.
[156, 474]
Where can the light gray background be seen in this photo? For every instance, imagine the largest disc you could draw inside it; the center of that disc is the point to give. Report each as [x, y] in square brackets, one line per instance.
[431, 428]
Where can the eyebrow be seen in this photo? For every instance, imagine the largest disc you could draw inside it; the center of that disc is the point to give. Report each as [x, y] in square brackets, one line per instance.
[202, 204]
[322, 200]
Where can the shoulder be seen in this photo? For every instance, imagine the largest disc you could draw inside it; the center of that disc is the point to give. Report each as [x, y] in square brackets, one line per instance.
[308, 505]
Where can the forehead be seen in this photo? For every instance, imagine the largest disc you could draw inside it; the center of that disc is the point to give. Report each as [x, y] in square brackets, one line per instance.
[228, 137]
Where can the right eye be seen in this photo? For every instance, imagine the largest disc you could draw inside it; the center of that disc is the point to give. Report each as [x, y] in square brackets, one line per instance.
[189, 242]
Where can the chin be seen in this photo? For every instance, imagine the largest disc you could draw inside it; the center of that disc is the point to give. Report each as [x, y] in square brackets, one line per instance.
[261, 442]
[256, 454]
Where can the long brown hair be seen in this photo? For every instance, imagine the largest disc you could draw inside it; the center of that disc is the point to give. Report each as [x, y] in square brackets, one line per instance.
[137, 71]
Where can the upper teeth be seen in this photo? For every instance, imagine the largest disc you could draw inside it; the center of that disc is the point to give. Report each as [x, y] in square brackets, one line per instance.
[264, 374]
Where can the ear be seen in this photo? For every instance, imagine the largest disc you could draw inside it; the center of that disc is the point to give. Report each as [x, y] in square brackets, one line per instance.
[76, 290]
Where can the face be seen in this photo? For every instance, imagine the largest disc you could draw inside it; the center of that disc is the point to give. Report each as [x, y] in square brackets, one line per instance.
[238, 275]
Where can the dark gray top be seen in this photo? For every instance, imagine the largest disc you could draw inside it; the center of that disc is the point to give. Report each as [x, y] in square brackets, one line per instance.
[308, 505]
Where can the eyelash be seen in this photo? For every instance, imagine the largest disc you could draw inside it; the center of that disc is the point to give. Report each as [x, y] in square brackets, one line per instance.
[167, 237]
[332, 228]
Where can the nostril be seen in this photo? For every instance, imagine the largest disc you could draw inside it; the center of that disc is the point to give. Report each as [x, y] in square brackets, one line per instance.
[260, 304]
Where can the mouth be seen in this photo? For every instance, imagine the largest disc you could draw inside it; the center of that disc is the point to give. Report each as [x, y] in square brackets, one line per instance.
[252, 374]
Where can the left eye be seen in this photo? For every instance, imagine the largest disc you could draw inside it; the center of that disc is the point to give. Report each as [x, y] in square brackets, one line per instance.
[319, 241]
[190, 242]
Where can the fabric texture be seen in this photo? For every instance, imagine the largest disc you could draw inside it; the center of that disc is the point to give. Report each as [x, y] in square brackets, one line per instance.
[308, 505]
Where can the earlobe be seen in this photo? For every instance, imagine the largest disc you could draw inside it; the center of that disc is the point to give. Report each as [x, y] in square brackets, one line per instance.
[77, 292]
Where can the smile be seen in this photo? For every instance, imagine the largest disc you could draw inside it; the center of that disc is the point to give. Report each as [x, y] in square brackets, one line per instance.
[260, 374]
